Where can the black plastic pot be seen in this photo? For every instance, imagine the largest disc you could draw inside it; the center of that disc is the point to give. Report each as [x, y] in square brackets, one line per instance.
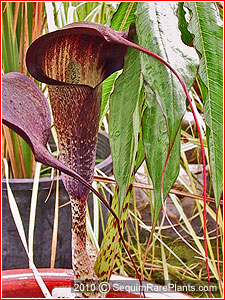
[13, 254]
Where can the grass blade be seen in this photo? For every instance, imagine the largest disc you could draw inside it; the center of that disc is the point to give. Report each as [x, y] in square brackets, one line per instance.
[20, 228]
[56, 223]
[33, 206]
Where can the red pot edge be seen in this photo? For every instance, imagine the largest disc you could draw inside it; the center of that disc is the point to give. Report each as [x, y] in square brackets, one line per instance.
[15, 281]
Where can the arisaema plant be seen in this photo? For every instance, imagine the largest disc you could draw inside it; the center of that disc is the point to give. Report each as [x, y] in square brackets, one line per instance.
[73, 62]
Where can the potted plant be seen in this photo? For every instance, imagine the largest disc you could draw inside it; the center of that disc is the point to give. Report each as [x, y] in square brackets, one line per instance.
[88, 49]
[17, 37]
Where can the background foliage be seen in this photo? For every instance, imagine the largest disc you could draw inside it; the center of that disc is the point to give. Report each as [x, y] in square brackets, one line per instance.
[142, 110]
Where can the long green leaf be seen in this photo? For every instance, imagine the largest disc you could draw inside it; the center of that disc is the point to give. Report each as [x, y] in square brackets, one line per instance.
[156, 145]
[157, 29]
[207, 27]
[122, 107]
[125, 114]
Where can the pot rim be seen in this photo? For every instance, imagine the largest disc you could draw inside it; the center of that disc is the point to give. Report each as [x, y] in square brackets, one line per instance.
[17, 282]
[14, 277]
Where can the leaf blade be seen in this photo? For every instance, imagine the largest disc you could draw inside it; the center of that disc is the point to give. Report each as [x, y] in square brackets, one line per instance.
[122, 139]
[156, 145]
[157, 29]
[206, 25]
